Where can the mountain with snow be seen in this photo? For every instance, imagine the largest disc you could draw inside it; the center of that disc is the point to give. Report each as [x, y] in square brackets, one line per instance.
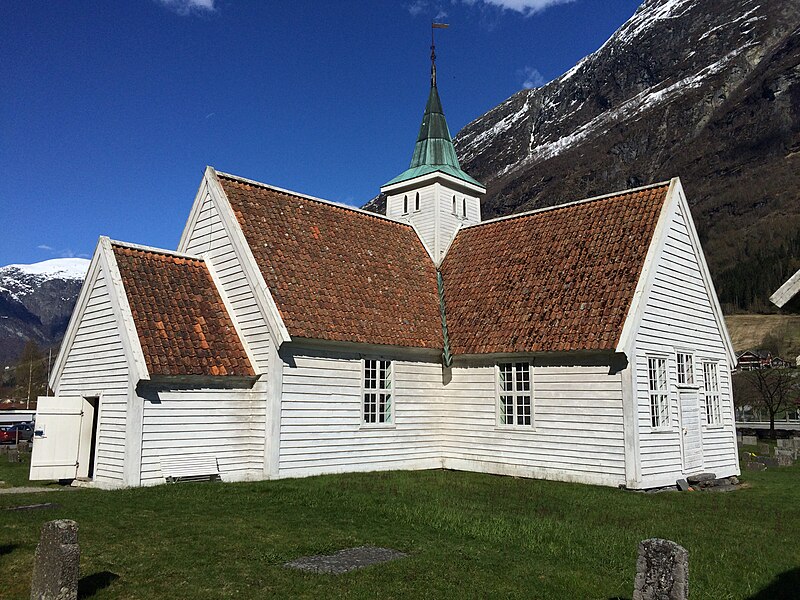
[36, 302]
[705, 90]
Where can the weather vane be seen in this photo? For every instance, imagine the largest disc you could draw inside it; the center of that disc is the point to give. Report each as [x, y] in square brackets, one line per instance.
[435, 25]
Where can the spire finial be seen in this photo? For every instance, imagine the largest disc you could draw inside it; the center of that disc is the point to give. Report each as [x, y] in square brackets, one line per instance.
[435, 25]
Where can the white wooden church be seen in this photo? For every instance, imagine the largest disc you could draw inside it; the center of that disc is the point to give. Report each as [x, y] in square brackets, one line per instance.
[291, 336]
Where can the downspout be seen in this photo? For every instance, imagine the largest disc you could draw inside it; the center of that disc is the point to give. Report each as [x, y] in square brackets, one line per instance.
[447, 358]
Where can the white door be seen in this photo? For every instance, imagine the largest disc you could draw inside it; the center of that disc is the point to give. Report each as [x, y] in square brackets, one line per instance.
[691, 432]
[57, 437]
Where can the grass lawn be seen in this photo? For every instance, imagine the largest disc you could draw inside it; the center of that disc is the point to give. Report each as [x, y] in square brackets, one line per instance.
[467, 536]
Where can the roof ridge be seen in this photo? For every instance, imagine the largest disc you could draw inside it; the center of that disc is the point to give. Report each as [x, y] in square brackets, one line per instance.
[154, 250]
[572, 203]
[307, 197]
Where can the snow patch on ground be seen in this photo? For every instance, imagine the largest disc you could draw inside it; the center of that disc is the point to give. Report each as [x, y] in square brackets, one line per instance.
[639, 103]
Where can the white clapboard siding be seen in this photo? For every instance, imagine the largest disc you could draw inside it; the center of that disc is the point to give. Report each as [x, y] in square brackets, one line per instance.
[678, 316]
[321, 429]
[226, 424]
[96, 363]
[577, 433]
[209, 238]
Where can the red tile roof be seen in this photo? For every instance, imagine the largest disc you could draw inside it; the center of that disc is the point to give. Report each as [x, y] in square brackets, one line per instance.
[182, 323]
[337, 273]
[556, 280]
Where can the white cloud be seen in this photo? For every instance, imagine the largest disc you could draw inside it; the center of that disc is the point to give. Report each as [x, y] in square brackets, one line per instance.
[526, 7]
[44, 247]
[532, 78]
[189, 7]
[417, 7]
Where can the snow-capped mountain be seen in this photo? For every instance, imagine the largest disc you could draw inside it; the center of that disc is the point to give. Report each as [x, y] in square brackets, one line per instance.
[706, 90]
[36, 302]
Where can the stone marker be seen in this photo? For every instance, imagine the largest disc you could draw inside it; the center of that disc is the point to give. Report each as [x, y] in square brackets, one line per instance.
[683, 485]
[784, 461]
[345, 560]
[13, 456]
[749, 440]
[662, 571]
[755, 466]
[56, 566]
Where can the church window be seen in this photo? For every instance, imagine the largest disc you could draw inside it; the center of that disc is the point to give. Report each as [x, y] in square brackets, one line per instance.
[416, 202]
[378, 408]
[454, 206]
[405, 205]
[464, 208]
[515, 398]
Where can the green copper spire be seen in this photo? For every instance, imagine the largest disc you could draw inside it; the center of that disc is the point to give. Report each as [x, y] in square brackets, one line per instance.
[434, 150]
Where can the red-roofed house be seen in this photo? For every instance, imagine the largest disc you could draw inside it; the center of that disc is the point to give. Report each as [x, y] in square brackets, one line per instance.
[291, 336]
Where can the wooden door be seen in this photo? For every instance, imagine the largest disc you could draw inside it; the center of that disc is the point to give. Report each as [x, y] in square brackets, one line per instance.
[57, 437]
[692, 434]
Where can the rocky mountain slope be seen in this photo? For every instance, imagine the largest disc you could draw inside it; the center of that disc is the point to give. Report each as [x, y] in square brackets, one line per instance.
[709, 91]
[706, 90]
[36, 302]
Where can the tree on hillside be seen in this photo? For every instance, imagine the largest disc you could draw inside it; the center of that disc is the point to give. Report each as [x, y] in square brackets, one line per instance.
[31, 373]
[774, 390]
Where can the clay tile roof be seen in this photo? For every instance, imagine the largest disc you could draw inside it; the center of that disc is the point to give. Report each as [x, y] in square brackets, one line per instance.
[336, 273]
[556, 280]
[182, 323]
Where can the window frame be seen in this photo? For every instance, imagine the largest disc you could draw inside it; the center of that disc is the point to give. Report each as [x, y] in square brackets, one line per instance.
[692, 370]
[515, 394]
[464, 207]
[416, 203]
[712, 420]
[405, 204]
[455, 210]
[389, 404]
[656, 424]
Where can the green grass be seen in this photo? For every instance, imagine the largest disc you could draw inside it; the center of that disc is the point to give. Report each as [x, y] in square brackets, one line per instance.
[467, 536]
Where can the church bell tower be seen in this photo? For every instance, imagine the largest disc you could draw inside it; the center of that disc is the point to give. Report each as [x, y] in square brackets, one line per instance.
[434, 194]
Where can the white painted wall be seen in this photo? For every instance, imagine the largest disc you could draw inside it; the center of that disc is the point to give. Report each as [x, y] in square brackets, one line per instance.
[321, 429]
[210, 239]
[227, 424]
[678, 315]
[96, 364]
[577, 433]
[435, 222]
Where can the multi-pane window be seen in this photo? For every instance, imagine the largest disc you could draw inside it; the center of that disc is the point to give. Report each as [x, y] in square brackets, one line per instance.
[515, 394]
[685, 369]
[711, 393]
[659, 391]
[378, 407]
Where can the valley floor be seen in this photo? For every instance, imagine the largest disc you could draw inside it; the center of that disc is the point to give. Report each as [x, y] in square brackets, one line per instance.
[467, 536]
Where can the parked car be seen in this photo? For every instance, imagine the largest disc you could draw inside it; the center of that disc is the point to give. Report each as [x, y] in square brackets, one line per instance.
[11, 434]
[22, 431]
[6, 437]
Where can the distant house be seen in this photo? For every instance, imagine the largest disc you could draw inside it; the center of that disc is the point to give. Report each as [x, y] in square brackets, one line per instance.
[750, 360]
[291, 336]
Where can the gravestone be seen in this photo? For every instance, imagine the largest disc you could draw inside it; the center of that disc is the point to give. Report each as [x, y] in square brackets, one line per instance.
[749, 440]
[662, 571]
[755, 466]
[56, 565]
[764, 449]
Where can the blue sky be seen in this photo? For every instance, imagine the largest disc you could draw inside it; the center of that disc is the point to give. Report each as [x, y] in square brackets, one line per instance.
[109, 111]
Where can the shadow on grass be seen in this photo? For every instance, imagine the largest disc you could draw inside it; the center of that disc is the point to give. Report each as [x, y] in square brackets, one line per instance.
[785, 586]
[91, 584]
[7, 548]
